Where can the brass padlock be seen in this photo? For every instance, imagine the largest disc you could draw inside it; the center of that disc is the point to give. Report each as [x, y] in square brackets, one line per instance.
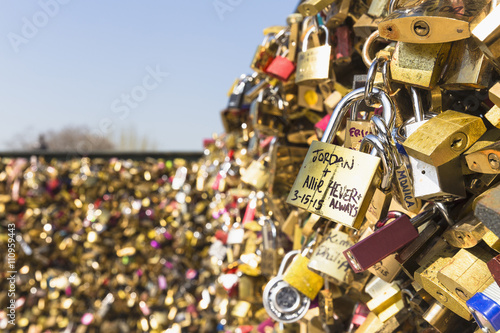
[467, 273]
[427, 277]
[324, 185]
[469, 69]
[327, 257]
[313, 7]
[356, 129]
[313, 64]
[431, 21]
[259, 173]
[466, 233]
[266, 113]
[444, 137]
[419, 65]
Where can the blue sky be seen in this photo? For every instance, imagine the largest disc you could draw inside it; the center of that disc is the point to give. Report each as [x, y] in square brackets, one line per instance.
[162, 68]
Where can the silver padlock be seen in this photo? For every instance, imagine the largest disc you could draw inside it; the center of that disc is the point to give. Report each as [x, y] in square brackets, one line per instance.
[441, 183]
[282, 302]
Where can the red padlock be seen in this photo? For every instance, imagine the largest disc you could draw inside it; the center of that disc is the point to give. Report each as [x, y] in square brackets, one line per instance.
[281, 68]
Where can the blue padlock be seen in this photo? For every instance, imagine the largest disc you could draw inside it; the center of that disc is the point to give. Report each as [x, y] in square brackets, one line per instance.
[485, 308]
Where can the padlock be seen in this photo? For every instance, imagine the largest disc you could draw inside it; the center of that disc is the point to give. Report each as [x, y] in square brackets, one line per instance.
[444, 320]
[282, 302]
[494, 94]
[310, 97]
[388, 303]
[427, 277]
[469, 69]
[356, 129]
[366, 25]
[487, 209]
[327, 169]
[343, 48]
[482, 155]
[444, 137]
[327, 257]
[382, 197]
[431, 21]
[387, 239]
[418, 65]
[313, 7]
[283, 66]
[325, 304]
[428, 239]
[266, 113]
[403, 190]
[237, 97]
[486, 35]
[313, 64]
[466, 233]
[235, 234]
[269, 255]
[467, 273]
[485, 160]
[378, 8]
[336, 13]
[485, 308]
[259, 173]
[299, 276]
[265, 53]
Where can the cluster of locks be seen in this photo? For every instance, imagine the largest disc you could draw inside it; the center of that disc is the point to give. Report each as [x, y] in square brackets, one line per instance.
[103, 245]
[355, 189]
[364, 149]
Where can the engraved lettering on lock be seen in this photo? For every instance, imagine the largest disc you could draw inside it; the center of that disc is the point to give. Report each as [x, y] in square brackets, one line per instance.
[331, 159]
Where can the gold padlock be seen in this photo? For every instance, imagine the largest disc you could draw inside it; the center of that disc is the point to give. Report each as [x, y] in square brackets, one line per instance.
[467, 273]
[444, 137]
[328, 259]
[313, 64]
[325, 184]
[427, 277]
[313, 7]
[431, 21]
[468, 68]
[419, 65]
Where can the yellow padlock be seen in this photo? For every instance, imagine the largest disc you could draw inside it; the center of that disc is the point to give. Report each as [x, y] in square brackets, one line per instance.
[302, 278]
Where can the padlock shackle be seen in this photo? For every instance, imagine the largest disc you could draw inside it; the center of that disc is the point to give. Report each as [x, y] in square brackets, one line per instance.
[286, 259]
[305, 42]
[266, 221]
[425, 216]
[345, 103]
[387, 162]
[418, 108]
